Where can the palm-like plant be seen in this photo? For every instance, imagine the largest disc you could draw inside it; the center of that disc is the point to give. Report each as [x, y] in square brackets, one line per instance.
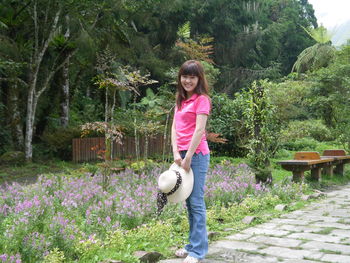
[318, 55]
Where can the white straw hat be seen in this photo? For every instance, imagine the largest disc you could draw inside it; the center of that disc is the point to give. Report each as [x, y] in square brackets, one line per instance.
[175, 185]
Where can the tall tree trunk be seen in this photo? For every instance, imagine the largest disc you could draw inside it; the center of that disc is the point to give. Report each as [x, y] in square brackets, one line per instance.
[65, 84]
[28, 148]
[137, 142]
[33, 93]
[145, 154]
[112, 120]
[263, 163]
[14, 117]
[107, 136]
[65, 95]
[165, 135]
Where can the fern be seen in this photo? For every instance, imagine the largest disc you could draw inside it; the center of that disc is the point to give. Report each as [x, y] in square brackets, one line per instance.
[318, 55]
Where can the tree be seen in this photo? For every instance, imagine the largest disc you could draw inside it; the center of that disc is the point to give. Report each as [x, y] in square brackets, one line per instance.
[261, 124]
[64, 47]
[112, 83]
[39, 77]
[317, 56]
[42, 49]
[253, 39]
[136, 79]
[10, 71]
[151, 109]
[330, 100]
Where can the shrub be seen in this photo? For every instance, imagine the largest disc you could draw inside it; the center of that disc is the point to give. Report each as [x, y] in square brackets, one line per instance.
[307, 128]
[214, 160]
[225, 119]
[143, 166]
[282, 154]
[59, 141]
[303, 144]
[54, 256]
[6, 143]
[288, 191]
[12, 158]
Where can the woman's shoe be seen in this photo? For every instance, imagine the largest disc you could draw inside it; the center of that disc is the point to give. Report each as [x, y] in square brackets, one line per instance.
[181, 253]
[190, 259]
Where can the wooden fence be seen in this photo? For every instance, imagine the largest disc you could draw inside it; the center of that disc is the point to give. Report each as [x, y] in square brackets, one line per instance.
[86, 149]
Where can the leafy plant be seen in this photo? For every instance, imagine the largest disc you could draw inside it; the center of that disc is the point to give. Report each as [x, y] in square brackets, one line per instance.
[54, 256]
[263, 131]
[226, 120]
[59, 141]
[317, 56]
[308, 128]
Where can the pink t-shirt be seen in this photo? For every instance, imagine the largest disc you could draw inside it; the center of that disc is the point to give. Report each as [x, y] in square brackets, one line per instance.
[185, 122]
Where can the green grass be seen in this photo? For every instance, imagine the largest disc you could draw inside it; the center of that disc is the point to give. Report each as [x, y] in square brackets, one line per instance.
[327, 251]
[325, 231]
[279, 174]
[221, 159]
[9, 173]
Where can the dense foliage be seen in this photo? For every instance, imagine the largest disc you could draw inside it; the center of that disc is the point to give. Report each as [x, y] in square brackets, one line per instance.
[51, 54]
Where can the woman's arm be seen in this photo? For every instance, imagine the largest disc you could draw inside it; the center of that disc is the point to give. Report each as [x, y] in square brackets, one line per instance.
[176, 154]
[201, 122]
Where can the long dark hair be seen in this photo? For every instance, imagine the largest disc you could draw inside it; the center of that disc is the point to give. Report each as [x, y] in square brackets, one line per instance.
[191, 68]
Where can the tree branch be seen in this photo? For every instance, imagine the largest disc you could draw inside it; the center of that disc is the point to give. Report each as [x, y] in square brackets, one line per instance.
[52, 73]
[15, 80]
[21, 10]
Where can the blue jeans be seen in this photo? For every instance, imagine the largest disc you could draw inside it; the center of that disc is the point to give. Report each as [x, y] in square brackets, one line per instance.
[198, 237]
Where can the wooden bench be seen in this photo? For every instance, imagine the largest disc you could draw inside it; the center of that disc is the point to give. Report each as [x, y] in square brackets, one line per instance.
[340, 159]
[304, 161]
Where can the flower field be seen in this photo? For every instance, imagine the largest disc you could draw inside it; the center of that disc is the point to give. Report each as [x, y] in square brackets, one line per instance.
[67, 218]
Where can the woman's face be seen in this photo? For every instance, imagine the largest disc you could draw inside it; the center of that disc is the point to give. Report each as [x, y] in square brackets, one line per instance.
[189, 83]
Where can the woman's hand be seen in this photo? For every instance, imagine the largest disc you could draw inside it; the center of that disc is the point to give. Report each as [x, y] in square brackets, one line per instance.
[186, 163]
[177, 158]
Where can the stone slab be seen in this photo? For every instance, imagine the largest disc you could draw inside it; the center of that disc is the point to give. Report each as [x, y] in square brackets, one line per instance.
[335, 225]
[268, 225]
[294, 228]
[262, 231]
[316, 245]
[341, 233]
[241, 245]
[336, 258]
[257, 259]
[299, 222]
[315, 218]
[315, 237]
[299, 261]
[282, 242]
[288, 253]
[238, 236]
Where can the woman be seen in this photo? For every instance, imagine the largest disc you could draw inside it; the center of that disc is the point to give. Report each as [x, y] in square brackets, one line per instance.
[190, 149]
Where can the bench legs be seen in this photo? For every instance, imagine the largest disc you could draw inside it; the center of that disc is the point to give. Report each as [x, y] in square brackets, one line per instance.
[316, 174]
[339, 169]
[328, 170]
[298, 176]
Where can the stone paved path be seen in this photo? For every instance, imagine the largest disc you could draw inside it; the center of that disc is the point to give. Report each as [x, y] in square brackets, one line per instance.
[319, 232]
